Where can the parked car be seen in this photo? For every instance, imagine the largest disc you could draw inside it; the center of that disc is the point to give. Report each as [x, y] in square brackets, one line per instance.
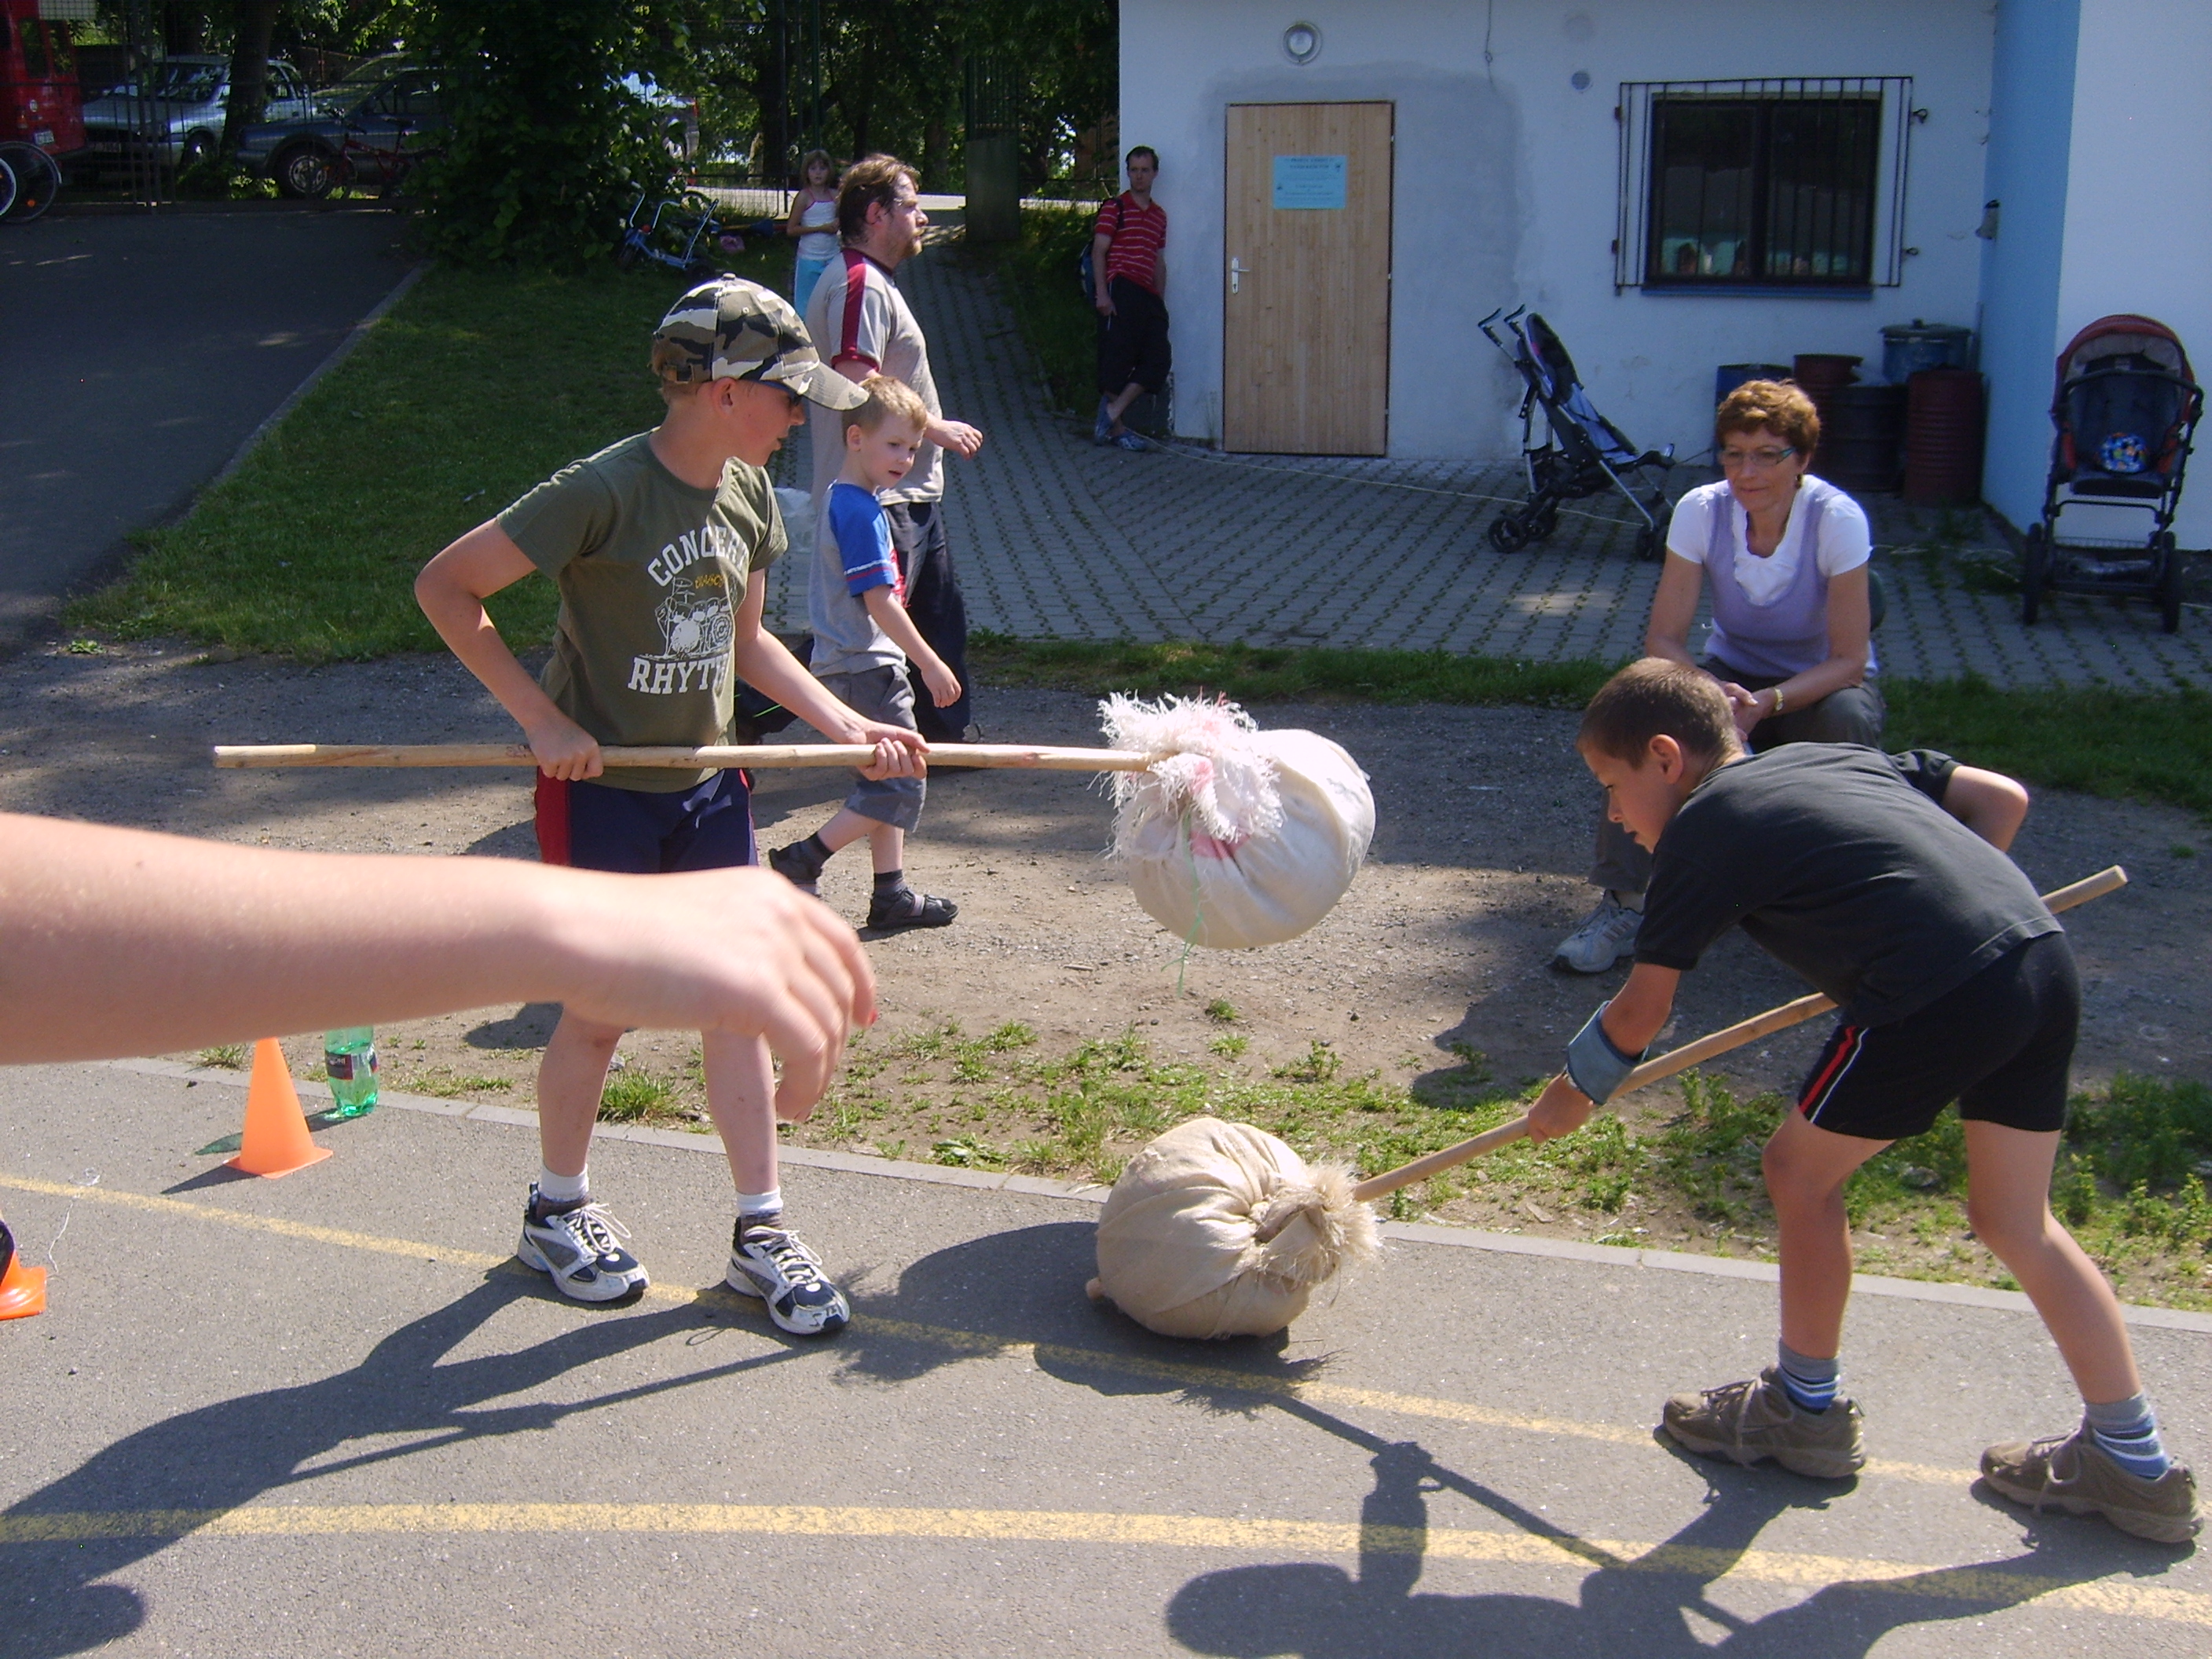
[174, 111]
[358, 135]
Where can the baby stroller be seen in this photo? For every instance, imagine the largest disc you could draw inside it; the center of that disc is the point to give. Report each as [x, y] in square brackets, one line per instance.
[2126, 409]
[1583, 453]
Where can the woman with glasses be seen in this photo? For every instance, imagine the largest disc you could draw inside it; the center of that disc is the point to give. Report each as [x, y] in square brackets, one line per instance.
[1784, 554]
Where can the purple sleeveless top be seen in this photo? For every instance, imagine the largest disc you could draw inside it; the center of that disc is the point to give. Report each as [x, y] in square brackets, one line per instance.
[1790, 634]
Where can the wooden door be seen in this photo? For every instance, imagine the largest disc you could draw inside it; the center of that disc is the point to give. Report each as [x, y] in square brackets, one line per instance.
[1306, 293]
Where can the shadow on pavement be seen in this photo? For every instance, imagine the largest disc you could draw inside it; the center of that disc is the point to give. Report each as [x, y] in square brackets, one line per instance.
[233, 1452]
[1032, 1279]
[1644, 1606]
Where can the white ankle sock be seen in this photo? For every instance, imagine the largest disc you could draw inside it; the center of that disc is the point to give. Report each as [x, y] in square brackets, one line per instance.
[750, 1205]
[564, 1190]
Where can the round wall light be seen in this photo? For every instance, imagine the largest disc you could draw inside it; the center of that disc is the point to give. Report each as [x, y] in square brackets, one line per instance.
[1579, 80]
[1302, 42]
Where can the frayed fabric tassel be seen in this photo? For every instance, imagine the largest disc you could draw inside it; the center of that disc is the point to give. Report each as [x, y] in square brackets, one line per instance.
[1234, 837]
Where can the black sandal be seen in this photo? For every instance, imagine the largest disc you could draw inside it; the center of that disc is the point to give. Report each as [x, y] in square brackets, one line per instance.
[910, 909]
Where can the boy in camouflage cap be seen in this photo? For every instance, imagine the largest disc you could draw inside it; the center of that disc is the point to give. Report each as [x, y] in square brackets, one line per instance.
[660, 545]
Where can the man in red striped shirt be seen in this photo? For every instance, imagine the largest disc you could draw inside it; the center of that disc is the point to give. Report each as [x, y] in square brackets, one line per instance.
[1128, 252]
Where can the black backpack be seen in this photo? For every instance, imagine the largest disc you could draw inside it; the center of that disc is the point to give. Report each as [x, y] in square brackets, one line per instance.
[1084, 270]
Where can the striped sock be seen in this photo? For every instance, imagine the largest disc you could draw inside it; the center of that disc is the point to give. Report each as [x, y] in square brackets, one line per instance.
[2126, 1432]
[1809, 1382]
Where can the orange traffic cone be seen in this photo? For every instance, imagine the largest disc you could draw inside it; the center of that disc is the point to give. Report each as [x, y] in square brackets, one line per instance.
[23, 1288]
[276, 1141]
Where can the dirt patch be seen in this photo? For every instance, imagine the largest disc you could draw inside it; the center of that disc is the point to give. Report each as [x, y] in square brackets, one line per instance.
[1438, 955]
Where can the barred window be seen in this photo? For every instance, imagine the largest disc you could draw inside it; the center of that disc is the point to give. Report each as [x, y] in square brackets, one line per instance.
[1762, 183]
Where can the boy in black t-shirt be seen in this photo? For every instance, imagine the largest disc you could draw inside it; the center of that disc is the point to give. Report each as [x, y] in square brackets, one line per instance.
[1882, 880]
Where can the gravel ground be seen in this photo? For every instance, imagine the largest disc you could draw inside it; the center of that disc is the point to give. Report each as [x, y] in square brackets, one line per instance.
[1484, 817]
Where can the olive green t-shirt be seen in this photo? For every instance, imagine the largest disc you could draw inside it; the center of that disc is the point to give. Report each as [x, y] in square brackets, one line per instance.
[652, 571]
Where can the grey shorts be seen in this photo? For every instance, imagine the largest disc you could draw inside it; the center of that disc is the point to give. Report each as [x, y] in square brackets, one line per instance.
[881, 693]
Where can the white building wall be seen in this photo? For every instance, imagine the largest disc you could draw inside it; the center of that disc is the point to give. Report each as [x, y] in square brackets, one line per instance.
[2139, 199]
[1507, 184]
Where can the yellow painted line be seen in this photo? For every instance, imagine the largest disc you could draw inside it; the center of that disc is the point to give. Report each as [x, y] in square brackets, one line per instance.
[979, 1343]
[1241, 1533]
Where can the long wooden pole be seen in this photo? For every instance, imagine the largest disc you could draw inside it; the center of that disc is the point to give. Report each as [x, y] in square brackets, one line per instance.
[1689, 1054]
[982, 755]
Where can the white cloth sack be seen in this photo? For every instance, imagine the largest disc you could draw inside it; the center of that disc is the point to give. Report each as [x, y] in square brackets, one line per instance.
[1179, 1250]
[1243, 837]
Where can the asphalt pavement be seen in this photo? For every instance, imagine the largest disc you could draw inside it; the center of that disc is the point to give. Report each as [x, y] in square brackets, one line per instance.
[139, 350]
[327, 1415]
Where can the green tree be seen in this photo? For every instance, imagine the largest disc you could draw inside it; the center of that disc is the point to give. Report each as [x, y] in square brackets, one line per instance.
[545, 147]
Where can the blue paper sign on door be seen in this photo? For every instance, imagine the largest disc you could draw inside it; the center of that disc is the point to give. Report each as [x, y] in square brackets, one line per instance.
[1310, 181]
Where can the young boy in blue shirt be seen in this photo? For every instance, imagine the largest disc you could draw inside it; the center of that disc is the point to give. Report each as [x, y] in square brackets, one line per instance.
[863, 641]
[1881, 879]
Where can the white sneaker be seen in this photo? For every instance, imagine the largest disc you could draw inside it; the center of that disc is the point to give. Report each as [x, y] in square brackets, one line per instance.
[776, 1264]
[1608, 936]
[579, 1248]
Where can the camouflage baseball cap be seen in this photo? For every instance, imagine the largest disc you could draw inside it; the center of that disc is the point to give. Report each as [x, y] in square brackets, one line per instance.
[729, 329]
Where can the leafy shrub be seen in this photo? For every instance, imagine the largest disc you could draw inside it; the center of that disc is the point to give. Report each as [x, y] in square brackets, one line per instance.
[545, 148]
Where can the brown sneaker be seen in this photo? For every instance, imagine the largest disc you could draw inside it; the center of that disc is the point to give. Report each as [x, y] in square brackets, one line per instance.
[1753, 1420]
[2072, 1473]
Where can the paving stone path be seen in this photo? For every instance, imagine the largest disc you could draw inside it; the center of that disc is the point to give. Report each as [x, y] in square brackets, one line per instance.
[1057, 538]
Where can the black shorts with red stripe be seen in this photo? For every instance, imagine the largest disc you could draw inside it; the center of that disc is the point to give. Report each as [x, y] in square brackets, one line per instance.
[2000, 1045]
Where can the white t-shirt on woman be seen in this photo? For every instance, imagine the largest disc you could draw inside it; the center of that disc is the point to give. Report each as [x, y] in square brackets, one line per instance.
[1829, 522]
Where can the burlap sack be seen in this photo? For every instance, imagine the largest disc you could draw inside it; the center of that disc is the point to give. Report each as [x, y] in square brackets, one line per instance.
[1264, 887]
[1180, 1244]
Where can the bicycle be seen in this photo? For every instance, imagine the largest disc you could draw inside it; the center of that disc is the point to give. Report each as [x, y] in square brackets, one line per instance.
[33, 180]
[689, 220]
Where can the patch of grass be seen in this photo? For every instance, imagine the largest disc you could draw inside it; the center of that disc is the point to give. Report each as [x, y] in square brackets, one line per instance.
[452, 1085]
[1229, 1045]
[967, 1152]
[231, 1055]
[631, 1095]
[1252, 673]
[1319, 1064]
[2124, 745]
[433, 425]
[1221, 1011]
[2131, 1181]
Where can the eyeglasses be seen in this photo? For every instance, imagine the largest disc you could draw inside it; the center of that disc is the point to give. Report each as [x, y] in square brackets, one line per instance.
[1755, 460]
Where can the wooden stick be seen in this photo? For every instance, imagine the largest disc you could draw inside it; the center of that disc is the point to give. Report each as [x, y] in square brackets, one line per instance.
[1689, 1054]
[977, 755]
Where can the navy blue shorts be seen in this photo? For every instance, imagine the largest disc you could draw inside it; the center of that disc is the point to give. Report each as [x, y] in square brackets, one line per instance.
[2000, 1045]
[635, 832]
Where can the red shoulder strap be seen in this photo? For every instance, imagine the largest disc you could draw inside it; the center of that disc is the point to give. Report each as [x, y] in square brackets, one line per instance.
[856, 291]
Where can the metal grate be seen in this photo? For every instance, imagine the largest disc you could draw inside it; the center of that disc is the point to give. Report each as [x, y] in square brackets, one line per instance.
[1777, 184]
[994, 94]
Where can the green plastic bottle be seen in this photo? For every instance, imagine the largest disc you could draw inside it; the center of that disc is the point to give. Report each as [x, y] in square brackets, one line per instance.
[350, 1058]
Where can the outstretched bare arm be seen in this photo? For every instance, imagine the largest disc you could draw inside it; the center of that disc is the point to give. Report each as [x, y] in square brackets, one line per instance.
[119, 942]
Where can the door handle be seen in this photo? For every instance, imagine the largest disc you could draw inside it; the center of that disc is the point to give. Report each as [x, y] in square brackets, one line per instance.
[1236, 270]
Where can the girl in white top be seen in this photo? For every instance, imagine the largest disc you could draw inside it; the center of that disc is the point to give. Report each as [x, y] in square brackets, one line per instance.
[813, 222]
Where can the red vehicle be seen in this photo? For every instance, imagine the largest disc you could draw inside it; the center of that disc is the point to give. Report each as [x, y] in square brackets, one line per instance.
[41, 107]
[40, 101]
